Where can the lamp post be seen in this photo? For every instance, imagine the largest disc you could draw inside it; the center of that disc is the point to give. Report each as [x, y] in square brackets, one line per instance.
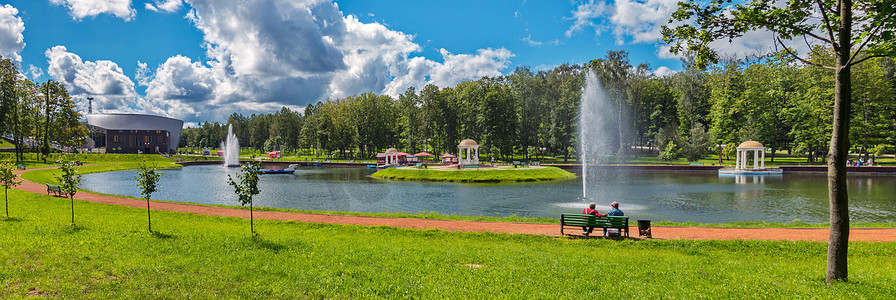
[542, 154]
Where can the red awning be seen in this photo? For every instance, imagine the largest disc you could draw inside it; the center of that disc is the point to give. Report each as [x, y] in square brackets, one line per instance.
[423, 154]
[402, 154]
[447, 155]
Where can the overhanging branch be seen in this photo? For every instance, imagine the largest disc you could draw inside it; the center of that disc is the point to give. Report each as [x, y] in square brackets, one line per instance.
[797, 57]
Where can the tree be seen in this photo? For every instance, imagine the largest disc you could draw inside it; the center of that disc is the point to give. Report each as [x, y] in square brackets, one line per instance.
[147, 180]
[246, 187]
[69, 180]
[8, 179]
[847, 28]
[698, 143]
[615, 73]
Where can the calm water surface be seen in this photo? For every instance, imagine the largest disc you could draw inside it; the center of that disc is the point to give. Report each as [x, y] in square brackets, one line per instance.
[681, 196]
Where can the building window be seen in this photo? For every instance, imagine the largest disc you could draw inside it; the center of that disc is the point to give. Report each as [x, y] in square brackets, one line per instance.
[115, 138]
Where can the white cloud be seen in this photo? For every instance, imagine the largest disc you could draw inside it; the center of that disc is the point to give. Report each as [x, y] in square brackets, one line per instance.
[35, 72]
[640, 21]
[11, 39]
[454, 69]
[585, 15]
[531, 42]
[102, 79]
[264, 54]
[663, 71]
[80, 9]
[168, 6]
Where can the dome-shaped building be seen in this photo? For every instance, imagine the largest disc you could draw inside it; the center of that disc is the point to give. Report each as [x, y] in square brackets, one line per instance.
[134, 133]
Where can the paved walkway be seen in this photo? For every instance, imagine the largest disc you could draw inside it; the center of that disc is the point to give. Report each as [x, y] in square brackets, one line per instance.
[691, 233]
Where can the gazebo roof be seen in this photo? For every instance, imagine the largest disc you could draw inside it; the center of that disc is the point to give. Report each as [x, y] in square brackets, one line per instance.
[750, 145]
[468, 143]
[391, 150]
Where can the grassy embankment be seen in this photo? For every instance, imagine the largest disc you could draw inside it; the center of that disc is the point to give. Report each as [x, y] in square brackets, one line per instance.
[502, 174]
[109, 254]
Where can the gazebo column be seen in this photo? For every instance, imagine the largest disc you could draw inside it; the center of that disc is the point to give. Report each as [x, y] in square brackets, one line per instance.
[755, 159]
[763, 158]
[737, 160]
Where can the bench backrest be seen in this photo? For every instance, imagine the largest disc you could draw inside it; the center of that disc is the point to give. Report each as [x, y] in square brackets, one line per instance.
[594, 221]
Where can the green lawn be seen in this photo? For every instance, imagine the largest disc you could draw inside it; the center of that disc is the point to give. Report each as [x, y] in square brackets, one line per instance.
[109, 254]
[4, 144]
[476, 175]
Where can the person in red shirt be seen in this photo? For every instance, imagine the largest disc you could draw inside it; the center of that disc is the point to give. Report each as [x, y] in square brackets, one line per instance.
[590, 211]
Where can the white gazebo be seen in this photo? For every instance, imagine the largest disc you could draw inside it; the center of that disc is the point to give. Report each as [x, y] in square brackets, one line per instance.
[743, 150]
[468, 152]
[391, 156]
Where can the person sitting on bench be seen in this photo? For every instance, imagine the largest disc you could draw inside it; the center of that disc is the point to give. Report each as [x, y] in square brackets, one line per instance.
[590, 211]
[614, 212]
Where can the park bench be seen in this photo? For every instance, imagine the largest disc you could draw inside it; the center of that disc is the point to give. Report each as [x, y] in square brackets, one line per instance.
[419, 165]
[474, 166]
[696, 163]
[21, 166]
[517, 163]
[55, 189]
[580, 220]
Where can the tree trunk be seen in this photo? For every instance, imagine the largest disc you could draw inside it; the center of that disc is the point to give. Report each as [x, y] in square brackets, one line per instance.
[251, 218]
[838, 243]
[72, 197]
[6, 200]
[148, 217]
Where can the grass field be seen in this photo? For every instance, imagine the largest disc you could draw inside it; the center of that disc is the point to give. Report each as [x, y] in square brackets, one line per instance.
[110, 254]
[479, 175]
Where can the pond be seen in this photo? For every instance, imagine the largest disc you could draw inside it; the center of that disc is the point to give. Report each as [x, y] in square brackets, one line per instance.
[675, 196]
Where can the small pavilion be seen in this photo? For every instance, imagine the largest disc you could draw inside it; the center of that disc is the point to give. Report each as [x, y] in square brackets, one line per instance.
[392, 156]
[468, 152]
[743, 150]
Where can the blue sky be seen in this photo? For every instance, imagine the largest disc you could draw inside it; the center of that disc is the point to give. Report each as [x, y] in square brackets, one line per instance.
[200, 60]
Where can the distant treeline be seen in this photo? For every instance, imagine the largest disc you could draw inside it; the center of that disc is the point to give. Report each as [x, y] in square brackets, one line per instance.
[784, 104]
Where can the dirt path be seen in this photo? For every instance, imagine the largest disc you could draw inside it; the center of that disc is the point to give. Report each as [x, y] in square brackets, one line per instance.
[690, 233]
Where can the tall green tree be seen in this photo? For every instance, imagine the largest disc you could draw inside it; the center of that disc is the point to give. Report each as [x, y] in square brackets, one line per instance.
[615, 73]
[846, 27]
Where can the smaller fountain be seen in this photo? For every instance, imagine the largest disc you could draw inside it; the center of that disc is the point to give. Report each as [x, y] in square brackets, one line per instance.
[231, 148]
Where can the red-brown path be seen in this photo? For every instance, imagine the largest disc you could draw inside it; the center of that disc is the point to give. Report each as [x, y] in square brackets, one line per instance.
[690, 233]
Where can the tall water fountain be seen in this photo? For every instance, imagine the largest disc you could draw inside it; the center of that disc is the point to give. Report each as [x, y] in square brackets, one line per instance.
[231, 147]
[597, 123]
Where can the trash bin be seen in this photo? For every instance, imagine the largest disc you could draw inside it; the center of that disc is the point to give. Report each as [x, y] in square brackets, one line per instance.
[644, 229]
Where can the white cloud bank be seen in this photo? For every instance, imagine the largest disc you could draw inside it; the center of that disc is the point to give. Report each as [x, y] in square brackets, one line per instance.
[264, 54]
[102, 79]
[80, 9]
[11, 39]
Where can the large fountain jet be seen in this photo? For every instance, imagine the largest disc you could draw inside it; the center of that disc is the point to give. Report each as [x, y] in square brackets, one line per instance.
[231, 147]
[596, 126]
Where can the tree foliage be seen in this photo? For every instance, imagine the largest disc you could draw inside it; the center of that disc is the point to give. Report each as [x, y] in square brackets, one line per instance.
[147, 180]
[8, 179]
